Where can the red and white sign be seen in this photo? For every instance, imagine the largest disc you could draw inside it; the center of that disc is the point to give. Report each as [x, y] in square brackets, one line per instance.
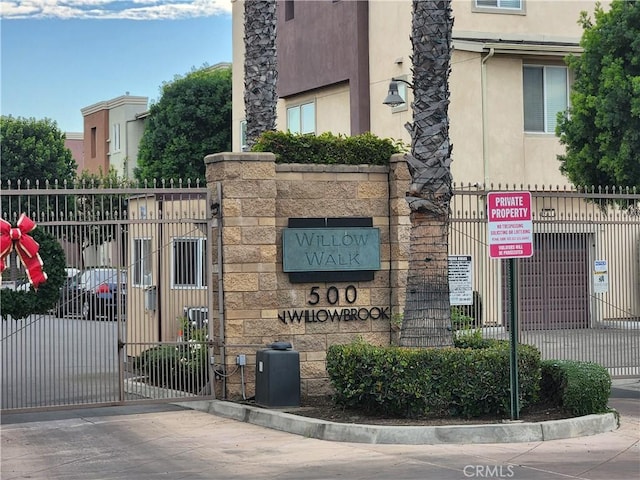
[510, 225]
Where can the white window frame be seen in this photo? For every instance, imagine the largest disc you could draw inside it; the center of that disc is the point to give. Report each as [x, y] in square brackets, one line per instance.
[243, 136]
[546, 128]
[142, 274]
[301, 128]
[200, 267]
[501, 6]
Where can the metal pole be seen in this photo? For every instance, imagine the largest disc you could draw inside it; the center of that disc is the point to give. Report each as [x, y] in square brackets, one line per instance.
[513, 360]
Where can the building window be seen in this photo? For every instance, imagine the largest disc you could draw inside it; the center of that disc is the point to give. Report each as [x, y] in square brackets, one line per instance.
[115, 138]
[189, 266]
[243, 136]
[545, 91]
[288, 10]
[502, 4]
[302, 118]
[142, 262]
[94, 141]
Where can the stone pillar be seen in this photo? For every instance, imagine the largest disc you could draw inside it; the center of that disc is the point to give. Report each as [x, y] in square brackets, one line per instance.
[249, 256]
[258, 198]
[400, 228]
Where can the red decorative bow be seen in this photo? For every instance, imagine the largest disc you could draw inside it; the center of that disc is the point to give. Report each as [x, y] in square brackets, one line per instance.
[26, 247]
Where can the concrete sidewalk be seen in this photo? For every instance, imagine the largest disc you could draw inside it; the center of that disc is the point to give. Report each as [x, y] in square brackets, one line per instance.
[146, 442]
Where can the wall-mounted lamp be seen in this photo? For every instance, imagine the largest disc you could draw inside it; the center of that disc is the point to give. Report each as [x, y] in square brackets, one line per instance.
[393, 99]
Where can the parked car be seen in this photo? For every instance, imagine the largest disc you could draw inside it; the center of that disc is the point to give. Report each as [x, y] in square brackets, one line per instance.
[24, 285]
[95, 293]
[71, 272]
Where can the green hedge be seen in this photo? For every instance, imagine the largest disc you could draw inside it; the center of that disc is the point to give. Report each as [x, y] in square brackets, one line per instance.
[328, 148]
[457, 382]
[581, 388]
[473, 339]
[178, 368]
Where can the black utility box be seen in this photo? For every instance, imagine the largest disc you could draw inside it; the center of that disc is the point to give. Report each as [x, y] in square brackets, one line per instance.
[278, 376]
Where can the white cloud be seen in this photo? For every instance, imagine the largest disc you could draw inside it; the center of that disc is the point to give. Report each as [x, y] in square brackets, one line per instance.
[113, 9]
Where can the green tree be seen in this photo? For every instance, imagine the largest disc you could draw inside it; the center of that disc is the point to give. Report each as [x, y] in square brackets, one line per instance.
[97, 206]
[427, 313]
[192, 119]
[601, 130]
[260, 68]
[32, 154]
[34, 151]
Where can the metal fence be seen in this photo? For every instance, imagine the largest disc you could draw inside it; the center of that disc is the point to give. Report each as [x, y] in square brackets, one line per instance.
[132, 318]
[144, 330]
[579, 294]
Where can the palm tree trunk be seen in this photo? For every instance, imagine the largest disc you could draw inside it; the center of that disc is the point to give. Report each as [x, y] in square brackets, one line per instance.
[260, 67]
[427, 314]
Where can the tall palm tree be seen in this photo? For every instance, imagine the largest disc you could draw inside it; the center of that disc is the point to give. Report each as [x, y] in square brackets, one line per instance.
[427, 314]
[260, 67]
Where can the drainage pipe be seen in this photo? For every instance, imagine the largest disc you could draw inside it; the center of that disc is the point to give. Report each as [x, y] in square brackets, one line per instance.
[485, 135]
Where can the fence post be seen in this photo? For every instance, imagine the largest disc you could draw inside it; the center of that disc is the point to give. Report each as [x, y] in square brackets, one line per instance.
[513, 357]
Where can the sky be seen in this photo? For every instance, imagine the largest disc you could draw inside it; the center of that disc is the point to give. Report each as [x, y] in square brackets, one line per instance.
[57, 57]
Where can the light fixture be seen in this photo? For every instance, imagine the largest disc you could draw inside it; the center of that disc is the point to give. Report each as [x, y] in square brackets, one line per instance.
[393, 99]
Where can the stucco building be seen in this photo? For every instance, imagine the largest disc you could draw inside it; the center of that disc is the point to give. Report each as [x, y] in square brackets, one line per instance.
[112, 132]
[508, 78]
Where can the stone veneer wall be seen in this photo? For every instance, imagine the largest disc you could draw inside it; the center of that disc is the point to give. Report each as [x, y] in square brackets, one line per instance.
[258, 198]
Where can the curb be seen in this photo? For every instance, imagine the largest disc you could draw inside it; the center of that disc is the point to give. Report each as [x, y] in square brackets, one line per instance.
[408, 435]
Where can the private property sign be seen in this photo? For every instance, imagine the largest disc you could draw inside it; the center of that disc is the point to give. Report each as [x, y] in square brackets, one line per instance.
[510, 226]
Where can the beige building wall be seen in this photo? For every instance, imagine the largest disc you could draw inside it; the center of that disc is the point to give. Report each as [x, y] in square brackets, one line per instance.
[161, 221]
[468, 162]
[332, 109]
[142, 326]
[488, 138]
[486, 109]
[541, 19]
[237, 73]
[125, 131]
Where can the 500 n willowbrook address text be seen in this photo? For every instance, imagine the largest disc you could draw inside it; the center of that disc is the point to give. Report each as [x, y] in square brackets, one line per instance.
[332, 297]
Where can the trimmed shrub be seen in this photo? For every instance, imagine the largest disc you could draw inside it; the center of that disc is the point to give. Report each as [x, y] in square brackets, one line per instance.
[456, 382]
[159, 364]
[474, 311]
[182, 367]
[473, 339]
[328, 148]
[459, 320]
[581, 388]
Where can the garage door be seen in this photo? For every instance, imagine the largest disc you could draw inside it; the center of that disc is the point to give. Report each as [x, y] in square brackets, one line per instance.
[554, 290]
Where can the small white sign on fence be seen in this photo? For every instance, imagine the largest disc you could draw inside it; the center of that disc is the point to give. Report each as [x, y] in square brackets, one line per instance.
[600, 276]
[460, 280]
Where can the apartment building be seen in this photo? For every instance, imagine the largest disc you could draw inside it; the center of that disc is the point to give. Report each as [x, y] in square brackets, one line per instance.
[508, 78]
[112, 133]
[508, 82]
